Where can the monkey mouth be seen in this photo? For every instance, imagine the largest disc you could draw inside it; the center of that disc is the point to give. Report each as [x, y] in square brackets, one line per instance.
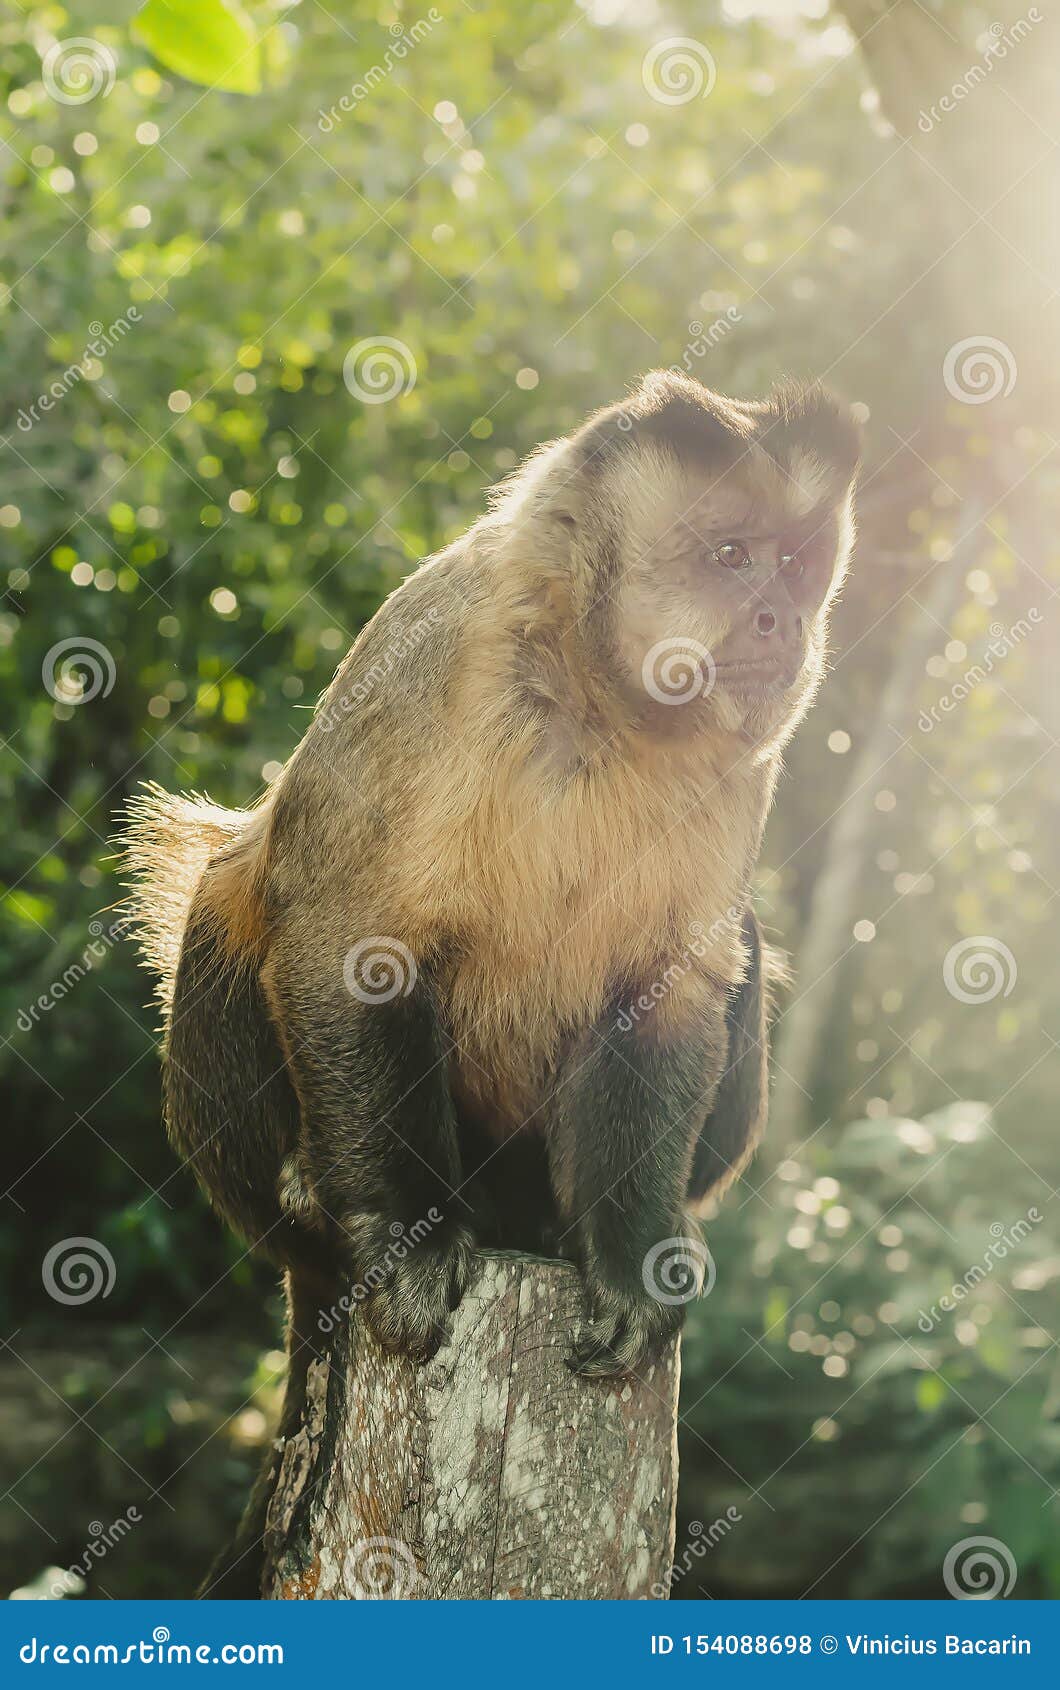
[759, 673]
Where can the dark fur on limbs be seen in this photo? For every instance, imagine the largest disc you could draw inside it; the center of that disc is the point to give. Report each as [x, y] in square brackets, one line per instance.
[737, 1118]
[230, 1108]
[628, 1111]
[379, 1150]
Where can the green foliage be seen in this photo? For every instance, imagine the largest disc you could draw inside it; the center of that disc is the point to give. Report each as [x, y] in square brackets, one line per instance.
[203, 40]
[883, 1381]
[198, 499]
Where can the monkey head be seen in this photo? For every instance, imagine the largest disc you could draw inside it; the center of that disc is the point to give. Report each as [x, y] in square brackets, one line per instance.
[708, 538]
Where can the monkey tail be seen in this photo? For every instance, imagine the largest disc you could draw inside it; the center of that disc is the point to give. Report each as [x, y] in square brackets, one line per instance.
[197, 904]
[166, 844]
[196, 876]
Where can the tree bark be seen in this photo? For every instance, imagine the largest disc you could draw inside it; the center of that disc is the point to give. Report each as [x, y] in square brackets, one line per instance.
[491, 1472]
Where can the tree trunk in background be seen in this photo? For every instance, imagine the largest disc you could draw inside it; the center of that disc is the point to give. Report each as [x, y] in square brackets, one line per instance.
[801, 1031]
[984, 171]
[490, 1472]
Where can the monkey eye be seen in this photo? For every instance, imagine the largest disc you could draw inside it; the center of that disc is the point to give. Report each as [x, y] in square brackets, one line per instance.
[791, 565]
[732, 554]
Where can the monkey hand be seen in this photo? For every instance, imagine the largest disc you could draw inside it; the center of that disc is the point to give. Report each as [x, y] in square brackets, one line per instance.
[625, 1330]
[412, 1287]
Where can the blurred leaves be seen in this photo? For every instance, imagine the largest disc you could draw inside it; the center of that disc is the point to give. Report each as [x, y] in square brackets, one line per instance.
[898, 1396]
[206, 41]
[212, 504]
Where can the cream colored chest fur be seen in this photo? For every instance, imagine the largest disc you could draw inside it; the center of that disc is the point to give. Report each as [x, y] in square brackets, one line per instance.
[546, 902]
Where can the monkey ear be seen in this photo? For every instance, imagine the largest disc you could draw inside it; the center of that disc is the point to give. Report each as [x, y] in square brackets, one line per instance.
[560, 521]
[558, 497]
[806, 418]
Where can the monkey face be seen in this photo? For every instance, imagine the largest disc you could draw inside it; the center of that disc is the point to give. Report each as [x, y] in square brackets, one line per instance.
[731, 529]
[769, 572]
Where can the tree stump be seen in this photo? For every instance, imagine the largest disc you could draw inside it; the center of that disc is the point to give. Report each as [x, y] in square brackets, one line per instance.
[492, 1471]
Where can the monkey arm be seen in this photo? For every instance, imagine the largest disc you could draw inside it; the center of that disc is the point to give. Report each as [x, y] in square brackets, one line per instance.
[737, 1117]
[378, 1153]
[628, 1108]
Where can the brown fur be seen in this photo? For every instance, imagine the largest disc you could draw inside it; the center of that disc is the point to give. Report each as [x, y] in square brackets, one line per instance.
[490, 781]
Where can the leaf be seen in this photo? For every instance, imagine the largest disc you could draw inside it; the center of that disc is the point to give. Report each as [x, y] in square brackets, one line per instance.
[887, 1358]
[965, 1122]
[931, 1392]
[203, 40]
[775, 1313]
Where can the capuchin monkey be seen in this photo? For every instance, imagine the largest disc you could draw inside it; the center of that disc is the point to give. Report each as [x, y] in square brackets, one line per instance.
[481, 967]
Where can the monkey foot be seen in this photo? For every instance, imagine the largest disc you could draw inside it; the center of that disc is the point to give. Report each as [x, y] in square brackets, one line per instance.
[410, 1295]
[625, 1331]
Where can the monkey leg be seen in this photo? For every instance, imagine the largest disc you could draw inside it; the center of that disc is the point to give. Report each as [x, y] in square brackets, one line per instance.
[628, 1105]
[378, 1152]
[737, 1117]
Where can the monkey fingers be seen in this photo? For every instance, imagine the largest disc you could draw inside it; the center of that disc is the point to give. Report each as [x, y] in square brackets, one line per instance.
[624, 1332]
[409, 1289]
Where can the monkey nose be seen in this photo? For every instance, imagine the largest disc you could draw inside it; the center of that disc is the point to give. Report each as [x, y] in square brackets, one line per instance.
[785, 630]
